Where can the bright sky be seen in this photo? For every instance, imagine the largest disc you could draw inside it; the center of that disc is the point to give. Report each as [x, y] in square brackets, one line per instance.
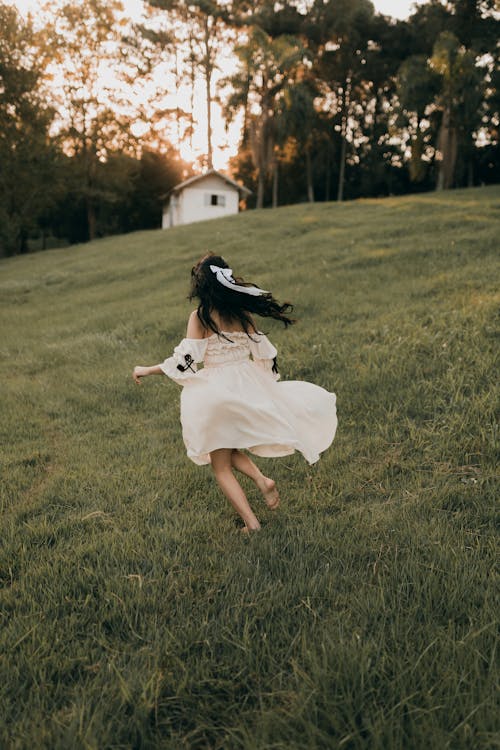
[395, 8]
[225, 140]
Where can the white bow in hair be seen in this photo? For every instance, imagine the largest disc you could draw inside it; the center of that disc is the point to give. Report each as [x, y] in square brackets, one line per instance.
[225, 277]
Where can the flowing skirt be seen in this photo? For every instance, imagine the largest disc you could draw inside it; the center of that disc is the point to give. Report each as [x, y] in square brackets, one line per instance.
[239, 405]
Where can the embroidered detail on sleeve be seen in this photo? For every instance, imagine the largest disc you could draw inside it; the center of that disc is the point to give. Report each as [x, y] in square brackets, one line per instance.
[189, 364]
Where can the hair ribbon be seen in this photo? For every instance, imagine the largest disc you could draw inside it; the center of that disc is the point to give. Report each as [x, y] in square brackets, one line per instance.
[225, 277]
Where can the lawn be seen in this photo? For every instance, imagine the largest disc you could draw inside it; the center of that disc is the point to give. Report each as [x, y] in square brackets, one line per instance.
[364, 614]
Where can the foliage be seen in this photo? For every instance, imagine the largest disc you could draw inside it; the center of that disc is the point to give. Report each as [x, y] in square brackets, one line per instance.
[417, 88]
[130, 195]
[336, 100]
[155, 176]
[86, 37]
[374, 83]
[28, 159]
[267, 69]
[363, 615]
[460, 98]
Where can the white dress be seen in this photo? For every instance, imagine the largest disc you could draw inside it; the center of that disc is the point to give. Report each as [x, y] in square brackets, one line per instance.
[237, 401]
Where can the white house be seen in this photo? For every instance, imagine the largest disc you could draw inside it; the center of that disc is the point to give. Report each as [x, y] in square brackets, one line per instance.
[207, 196]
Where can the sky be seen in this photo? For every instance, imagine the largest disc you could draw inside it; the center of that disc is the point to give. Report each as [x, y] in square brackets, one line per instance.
[225, 140]
[396, 8]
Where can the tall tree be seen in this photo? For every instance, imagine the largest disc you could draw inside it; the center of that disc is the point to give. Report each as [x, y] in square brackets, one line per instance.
[459, 100]
[87, 38]
[417, 88]
[339, 32]
[267, 69]
[200, 31]
[152, 51]
[303, 124]
[28, 158]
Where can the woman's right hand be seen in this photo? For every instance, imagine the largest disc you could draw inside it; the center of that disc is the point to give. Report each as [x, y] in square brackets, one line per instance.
[140, 372]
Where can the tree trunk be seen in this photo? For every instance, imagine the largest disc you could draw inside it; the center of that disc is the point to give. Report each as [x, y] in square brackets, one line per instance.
[448, 148]
[275, 182]
[91, 218]
[262, 153]
[210, 161]
[470, 171]
[208, 93]
[343, 150]
[327, 175]
[343, 146]
[310, 186]
[88, 168]
[260, 189]
[417, 167]
[23, 241]
[246, 108]
[192, 82]
[89, 203]
[177, 86]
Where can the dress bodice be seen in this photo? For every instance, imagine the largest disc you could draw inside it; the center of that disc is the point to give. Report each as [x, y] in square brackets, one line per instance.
[229, 348]
[218, 351]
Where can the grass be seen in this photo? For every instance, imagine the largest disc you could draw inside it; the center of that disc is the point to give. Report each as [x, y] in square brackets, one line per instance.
[133, 613]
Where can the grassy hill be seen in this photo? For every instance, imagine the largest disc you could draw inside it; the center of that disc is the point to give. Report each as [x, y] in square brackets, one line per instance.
[134, 614]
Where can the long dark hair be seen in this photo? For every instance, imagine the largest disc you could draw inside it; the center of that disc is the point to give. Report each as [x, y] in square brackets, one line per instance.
[231, 305]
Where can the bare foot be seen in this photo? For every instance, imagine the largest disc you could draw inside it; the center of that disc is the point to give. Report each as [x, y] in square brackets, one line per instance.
[249, 530]
[270, 493]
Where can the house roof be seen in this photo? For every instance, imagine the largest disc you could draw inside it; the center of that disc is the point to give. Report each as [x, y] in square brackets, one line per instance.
[211, 173]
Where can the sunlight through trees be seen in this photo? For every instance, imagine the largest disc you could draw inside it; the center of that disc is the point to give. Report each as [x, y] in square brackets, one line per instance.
[334, 100]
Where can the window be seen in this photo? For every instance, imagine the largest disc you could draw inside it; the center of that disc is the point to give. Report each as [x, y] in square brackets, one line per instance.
[214, 199]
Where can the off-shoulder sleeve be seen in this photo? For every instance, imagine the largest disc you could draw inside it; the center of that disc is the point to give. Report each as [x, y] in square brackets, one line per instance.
[264, 354]
[182, 365]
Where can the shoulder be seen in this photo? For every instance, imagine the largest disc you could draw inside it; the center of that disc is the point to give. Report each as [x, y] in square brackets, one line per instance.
[195, 328]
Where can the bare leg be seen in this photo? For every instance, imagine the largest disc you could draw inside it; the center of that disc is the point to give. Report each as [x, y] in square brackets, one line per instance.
[245, 465]
[221, 465]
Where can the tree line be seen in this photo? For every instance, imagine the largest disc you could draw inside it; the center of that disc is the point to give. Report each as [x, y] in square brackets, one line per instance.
[336, 102]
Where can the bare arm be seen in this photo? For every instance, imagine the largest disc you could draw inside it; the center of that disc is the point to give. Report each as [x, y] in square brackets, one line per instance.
[195, 330]
[142, 372]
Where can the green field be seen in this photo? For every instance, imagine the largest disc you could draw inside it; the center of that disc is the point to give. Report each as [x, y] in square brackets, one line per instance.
[133, 612]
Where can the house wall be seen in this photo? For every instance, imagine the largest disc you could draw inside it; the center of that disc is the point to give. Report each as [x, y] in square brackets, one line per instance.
[195, 207]
[171, 212]
[194, 202]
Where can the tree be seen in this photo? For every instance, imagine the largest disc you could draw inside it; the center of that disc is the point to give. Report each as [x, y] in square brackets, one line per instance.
[459, 100]
[475, 23]
[417, 88]
[267, 69]
[303, 124]
[28, 159]
[339, 32]
[200, 30]
[94, 121]
[152, 176]
[131, 194]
